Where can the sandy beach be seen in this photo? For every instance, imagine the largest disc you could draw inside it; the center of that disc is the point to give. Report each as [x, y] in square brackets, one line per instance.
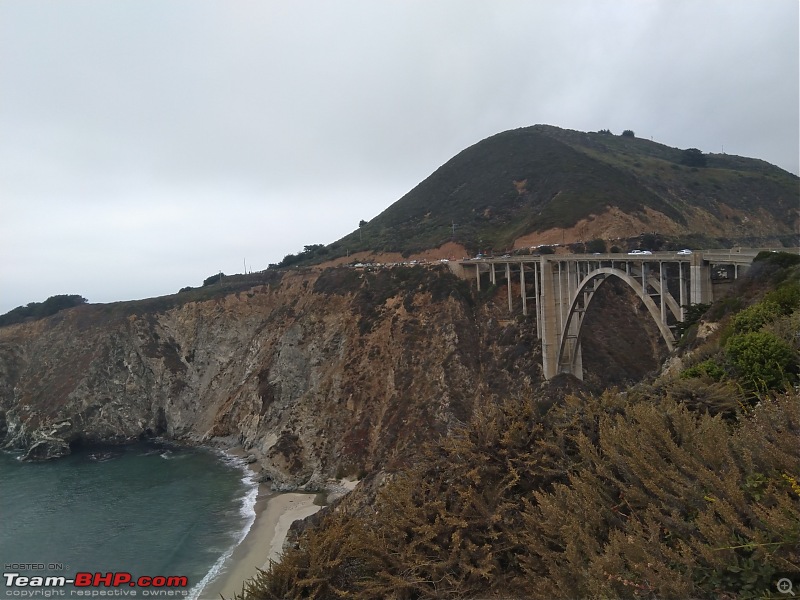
[264, 542]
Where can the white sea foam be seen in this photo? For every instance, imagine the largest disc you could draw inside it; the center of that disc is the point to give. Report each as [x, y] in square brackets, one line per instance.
[247, 510]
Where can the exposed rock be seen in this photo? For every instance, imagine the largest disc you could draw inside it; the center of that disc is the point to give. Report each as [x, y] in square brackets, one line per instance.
[312, 381]
[46, 448]
[673, 366]
[705, 329]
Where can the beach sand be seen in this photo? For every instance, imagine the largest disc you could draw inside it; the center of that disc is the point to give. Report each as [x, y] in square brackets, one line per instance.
[264, 542]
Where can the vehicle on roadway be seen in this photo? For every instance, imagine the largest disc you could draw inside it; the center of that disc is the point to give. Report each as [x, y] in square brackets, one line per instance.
[639, 252]
[684, 252]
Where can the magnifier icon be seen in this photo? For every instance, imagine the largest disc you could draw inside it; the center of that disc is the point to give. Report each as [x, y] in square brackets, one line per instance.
[784, 586]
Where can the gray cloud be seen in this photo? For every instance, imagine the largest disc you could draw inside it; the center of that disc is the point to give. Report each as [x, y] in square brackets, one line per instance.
[146, 145]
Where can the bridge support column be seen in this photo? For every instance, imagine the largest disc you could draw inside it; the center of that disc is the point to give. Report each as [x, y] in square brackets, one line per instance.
[662, 291]
[557, 290]
[681, 291]
[550, 328]
[508, 281]
[538, 298]
[571, 359]
[699, 282]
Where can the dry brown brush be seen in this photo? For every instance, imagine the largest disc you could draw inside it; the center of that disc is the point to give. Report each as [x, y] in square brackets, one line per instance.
[622, 496]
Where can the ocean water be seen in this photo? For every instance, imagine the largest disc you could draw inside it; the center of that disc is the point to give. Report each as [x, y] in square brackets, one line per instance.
[146, 509]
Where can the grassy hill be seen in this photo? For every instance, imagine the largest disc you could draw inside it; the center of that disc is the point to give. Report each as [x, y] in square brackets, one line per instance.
[741, 183]
[538, 178]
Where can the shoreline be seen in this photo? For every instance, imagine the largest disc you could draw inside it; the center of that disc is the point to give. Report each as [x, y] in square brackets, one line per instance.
[274, 514]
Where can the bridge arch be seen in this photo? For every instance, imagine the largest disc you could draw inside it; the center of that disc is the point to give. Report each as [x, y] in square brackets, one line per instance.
[602, 274]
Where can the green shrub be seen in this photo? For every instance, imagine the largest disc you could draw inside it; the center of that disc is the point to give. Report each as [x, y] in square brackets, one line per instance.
[724, 307]
[692, 157]
[596, 245]
[763, 361]
[577, 248]
[212, 279]
[786, 297]
[650, 241]
[710, 369]
[755, 317]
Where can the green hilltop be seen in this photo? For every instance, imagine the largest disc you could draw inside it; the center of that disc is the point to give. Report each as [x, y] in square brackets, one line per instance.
[542, 177]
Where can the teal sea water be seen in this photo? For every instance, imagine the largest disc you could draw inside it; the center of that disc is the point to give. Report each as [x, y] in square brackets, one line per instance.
[146, 509]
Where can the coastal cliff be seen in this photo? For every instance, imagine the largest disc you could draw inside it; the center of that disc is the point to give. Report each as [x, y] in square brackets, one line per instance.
[317, 373]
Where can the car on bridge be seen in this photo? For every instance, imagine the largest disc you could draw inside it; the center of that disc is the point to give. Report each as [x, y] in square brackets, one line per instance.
[684, 252]
[639, 252]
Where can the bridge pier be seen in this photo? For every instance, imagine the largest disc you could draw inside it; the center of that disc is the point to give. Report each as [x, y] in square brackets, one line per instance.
[550, 328]
[557, 330]
[699, 281]
[508, 281]
[537, 276]
[681, 292]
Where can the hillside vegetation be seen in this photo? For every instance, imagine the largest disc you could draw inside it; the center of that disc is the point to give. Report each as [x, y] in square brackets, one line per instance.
[217, 286]
[39, 310]
[684, 486]
[539, 178]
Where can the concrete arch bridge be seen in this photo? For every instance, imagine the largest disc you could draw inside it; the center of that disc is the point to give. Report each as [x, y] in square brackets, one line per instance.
[561, 288]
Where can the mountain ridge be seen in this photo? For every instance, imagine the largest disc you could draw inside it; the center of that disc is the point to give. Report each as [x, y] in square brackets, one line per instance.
[523, 182]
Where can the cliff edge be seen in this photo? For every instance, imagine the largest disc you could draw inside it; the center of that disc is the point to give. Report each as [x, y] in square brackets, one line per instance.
[317, 373]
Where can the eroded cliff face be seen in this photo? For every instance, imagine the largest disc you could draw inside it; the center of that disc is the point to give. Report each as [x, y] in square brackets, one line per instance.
[317, 375]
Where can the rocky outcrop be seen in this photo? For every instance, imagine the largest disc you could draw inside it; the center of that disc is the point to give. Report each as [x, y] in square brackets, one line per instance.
[46, 447]
[321, 375]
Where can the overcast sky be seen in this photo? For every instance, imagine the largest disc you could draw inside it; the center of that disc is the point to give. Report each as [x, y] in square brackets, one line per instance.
[147, 144]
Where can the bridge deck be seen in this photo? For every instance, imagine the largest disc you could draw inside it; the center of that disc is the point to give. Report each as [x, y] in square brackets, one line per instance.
[742, 256]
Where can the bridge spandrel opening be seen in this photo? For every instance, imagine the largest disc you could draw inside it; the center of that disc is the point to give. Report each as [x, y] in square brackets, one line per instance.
[620, 342]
